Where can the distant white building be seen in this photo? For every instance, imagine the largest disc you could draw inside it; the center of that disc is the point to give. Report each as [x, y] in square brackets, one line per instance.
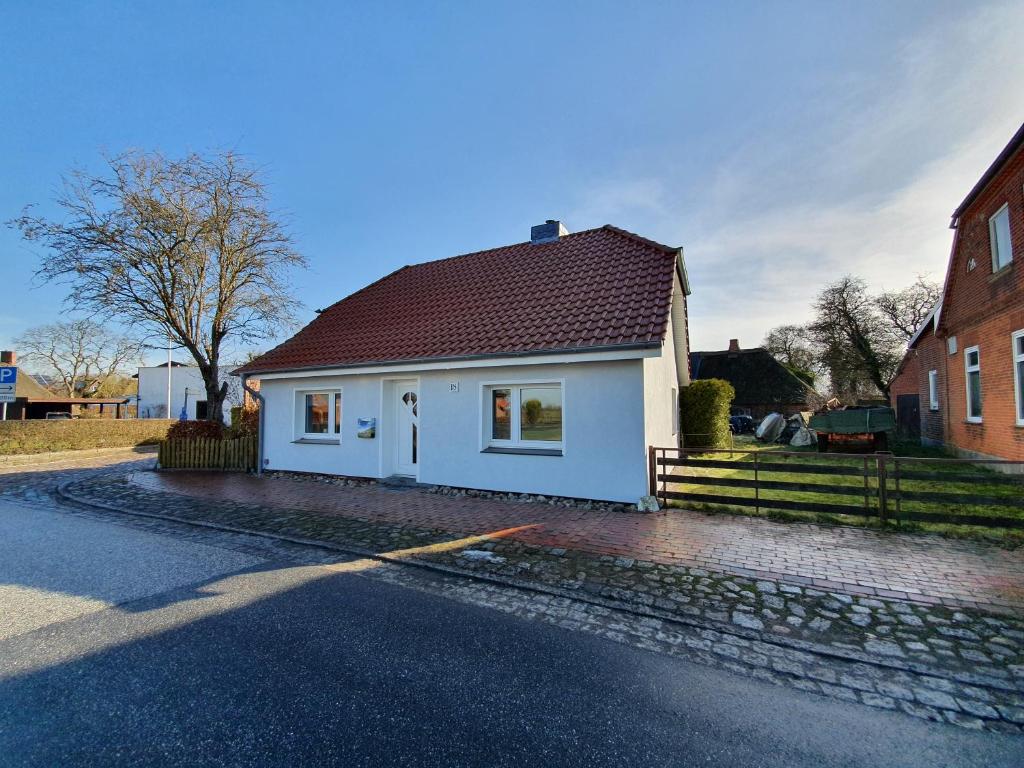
[188, 392]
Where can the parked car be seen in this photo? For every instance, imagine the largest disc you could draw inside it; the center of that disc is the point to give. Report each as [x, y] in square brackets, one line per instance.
[741, 425]
[57, 415]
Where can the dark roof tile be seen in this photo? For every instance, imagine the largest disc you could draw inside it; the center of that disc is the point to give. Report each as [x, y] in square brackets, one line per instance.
[599, 288]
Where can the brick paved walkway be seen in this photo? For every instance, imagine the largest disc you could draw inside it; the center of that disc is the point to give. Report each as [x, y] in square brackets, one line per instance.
[926, 569]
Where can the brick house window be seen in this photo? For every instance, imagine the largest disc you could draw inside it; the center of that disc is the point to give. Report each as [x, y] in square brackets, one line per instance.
[972, 369]
[933, 390]
[999, 236]
[1018, 374]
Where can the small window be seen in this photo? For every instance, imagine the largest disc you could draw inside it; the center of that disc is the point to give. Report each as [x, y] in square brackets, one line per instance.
[528, 416]
[972, 368]
[999, 235]
[933, 390]
[501, 414]
[1018, 374]
[201, 410]
[319, 414]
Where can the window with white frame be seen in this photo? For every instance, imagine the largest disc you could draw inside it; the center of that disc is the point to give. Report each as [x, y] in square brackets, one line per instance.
[933, 390]
[524, 416]
[318, 414]
[972, 370]
[1018, 374]
[999, 236]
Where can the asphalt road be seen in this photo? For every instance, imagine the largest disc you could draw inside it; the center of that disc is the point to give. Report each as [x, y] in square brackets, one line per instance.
[124, 646]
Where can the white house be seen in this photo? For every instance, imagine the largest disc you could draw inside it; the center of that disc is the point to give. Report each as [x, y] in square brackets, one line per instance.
[187, 391]
[544, 367]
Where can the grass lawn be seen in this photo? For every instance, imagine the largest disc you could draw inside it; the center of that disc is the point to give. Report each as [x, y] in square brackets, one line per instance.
[962, 479]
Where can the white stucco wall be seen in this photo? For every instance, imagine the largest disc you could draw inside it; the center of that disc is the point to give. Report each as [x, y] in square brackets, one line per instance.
[603, 425]
[153, 391]
[661, 391]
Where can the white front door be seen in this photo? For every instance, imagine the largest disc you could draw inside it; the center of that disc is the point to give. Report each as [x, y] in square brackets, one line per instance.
[407, 421]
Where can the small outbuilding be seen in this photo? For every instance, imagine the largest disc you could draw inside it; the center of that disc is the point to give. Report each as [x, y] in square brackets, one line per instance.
[34, 401]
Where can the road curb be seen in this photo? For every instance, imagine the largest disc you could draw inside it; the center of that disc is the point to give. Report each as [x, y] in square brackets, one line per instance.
[64, 493]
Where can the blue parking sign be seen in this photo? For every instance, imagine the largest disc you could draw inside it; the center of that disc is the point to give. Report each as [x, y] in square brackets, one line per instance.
[8, 383]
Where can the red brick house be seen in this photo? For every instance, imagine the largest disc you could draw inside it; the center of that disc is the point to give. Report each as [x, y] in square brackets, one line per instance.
[968, 357]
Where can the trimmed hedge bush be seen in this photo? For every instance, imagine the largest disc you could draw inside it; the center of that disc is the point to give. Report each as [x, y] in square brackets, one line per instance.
[244, 421]
[705, 413]
[41, 436]
[191, 430]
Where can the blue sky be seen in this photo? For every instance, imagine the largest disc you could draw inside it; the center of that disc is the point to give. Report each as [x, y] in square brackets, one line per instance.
[782, 144]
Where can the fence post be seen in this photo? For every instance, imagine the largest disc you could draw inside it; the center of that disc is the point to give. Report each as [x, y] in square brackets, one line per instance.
[883, 486]
[899, 500]
[757, 486]
[652, 472]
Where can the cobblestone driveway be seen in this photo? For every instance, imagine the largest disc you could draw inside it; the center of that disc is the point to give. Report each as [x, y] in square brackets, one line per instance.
[964, 666]
[921, 568]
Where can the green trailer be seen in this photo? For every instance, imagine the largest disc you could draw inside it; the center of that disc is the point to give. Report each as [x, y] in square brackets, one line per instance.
[854, 425]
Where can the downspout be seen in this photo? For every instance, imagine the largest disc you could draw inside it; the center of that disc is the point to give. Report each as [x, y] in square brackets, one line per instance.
[259, 438]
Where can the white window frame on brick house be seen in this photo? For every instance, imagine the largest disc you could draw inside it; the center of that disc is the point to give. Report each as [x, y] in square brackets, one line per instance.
[933, 390]
[335, 405]
[1017, 340]
[1000, 239]
[968, 370]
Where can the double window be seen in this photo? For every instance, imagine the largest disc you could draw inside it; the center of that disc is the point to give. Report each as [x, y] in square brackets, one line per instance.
[524, 416]
[999, 237]
[972, 370]
[319, 415]
[1018, 375]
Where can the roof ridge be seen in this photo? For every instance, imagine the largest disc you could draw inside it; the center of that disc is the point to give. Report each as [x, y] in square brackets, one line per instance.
[640, 238]
[510, 245]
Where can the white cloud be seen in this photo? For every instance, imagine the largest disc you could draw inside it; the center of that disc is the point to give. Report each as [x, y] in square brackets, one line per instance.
[866, 187]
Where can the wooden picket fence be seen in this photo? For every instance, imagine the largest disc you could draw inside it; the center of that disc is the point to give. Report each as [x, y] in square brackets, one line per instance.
[237, 455]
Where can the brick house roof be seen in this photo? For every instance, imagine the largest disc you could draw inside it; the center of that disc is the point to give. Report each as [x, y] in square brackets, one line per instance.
[601, 288]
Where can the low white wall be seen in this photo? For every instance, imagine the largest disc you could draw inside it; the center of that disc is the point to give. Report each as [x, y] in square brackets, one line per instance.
[153, 391]
[603, 425]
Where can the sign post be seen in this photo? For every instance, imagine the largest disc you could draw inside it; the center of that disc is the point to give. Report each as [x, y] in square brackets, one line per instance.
[8, 386]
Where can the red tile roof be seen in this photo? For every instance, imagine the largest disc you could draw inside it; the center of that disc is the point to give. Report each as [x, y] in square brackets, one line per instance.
[603, 287]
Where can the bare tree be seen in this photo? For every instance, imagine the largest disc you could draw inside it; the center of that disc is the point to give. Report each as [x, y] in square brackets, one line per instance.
[84, 357]
[856, 343]
[181, 248]
[791, 345]
[907, 309]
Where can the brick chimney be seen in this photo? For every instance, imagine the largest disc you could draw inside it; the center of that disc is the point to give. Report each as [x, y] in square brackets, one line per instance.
[547, 232]
[734, 345]
[8, 357]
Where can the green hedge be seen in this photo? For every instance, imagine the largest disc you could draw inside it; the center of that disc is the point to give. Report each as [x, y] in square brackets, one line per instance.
[41, 436]
[705, 413]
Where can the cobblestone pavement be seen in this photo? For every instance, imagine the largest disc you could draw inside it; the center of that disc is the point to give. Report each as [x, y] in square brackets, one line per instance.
[922, 568]
[960, 665]
[37, 476]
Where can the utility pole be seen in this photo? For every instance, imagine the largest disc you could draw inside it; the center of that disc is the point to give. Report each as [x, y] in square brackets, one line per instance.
[168, 375]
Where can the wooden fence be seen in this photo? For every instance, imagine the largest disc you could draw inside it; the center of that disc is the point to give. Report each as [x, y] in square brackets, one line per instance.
[237, 455]
[875, 485]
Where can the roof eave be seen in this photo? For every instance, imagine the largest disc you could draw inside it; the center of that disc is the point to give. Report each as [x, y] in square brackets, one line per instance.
[653, 344]
[1008, 151]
